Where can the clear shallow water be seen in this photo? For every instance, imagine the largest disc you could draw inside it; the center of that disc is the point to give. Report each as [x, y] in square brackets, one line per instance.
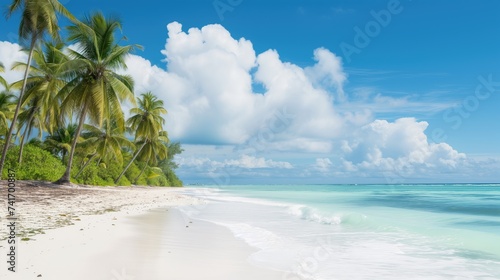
[362, 231]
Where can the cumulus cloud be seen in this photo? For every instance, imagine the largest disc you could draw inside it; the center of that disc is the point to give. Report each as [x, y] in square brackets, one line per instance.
[328, 71]
[400, 146]
[323, 164]
[207, 88]
[9, 54]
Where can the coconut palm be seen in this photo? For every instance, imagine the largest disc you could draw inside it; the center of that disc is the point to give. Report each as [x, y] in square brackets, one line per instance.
[95, 90]
[146, 121]
[39, 17]
[59, 143]
[147, 118]
[30, 118]
[152, 149]
[46, 79]
[153, 172]
[106, 143]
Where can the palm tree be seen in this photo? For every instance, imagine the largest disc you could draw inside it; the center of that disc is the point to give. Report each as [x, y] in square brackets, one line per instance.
[39, 17]
[6, 109]
[59, 143]
[151, 150]
[29, 118]
[147, 118]
[106, 143]
[154, 150]
[96, 90]
[45, 81]
[147, 121]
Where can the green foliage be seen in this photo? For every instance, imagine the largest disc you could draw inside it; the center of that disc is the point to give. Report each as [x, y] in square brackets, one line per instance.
[37, 143]
[172, 178]
[132, 172]
[98, 174]
[90, 176]
[124, 182]
[159, 181]
[168, 165]
[38, 164]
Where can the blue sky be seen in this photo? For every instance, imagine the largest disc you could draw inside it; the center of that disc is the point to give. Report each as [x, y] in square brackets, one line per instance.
[421, 72]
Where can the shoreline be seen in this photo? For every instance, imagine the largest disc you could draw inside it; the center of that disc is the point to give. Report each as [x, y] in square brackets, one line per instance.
[136, 240]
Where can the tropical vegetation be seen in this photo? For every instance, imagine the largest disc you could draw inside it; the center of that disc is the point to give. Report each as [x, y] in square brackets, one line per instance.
[67, 111]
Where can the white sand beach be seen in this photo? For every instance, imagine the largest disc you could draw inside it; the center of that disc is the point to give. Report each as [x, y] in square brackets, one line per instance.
[120, 233]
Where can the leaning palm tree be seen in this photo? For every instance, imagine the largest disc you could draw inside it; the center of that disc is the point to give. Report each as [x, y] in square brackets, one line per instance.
[106, 143]
[46, 79]
[146, 121]
[95, 91]
[154, 150]
[151, 150]
[30, 118]
[39, 17]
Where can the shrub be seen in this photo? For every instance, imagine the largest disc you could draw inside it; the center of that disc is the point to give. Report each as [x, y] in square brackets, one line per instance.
[37, 164]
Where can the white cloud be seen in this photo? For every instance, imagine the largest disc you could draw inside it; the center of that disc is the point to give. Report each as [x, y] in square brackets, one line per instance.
[9, 54]
[323, 164]
[328, 71]
[245, 161]
[207, 88]
[400, 145]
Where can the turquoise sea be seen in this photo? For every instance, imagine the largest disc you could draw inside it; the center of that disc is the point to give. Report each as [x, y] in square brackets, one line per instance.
[348, 232]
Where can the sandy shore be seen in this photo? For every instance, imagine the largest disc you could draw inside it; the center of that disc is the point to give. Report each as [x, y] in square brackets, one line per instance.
[41, 205]
[118, 233]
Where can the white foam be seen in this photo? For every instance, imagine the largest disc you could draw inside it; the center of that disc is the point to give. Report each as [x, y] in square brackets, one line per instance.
[311, 214]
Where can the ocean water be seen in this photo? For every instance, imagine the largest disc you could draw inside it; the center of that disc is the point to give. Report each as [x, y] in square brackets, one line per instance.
[348, 232]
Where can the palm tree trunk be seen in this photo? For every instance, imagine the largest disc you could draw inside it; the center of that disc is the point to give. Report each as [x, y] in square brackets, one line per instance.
[140, 174]
[66, 177]
[18, 107]
[85, 165]
[130, 162]
[21, 145]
